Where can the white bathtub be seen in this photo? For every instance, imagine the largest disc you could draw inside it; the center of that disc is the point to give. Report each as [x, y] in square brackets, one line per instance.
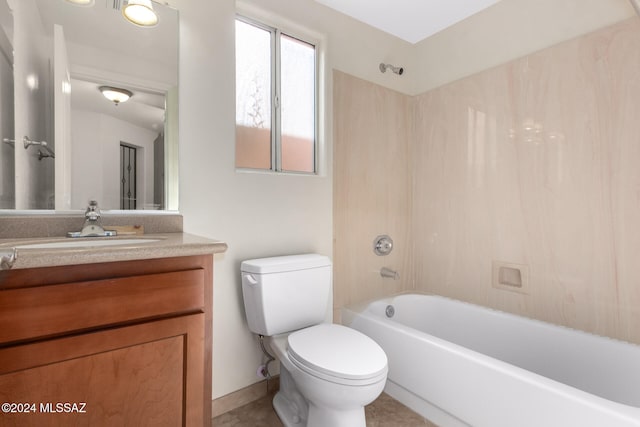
[459, 364]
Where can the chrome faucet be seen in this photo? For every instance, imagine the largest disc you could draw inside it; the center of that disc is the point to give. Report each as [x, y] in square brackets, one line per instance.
[92, 224]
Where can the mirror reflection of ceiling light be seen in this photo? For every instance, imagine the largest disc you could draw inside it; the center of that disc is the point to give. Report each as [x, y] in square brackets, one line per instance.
[115, 94]
[87, 3]
[140, 12]
[32, 82]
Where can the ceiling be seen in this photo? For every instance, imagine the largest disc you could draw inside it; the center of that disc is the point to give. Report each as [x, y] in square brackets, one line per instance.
[103, 30]
[410, 20]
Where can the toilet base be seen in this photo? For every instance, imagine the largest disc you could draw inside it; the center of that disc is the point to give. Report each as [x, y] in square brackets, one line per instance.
[290, 405]
[318, 417]
[286, 412]
[322, 417]
[296, 411]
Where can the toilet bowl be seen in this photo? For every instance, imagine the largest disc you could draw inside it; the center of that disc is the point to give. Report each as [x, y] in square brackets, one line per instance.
[328, 373]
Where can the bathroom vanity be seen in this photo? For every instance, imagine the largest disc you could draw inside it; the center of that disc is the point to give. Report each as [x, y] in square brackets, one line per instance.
[115, 335]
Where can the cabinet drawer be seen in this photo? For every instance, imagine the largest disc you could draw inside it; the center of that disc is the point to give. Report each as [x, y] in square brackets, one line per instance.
[29, 313]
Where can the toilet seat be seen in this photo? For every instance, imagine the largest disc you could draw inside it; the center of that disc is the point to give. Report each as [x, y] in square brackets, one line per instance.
[338, 354]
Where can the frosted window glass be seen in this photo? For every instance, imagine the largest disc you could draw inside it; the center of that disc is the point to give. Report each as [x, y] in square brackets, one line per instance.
[297, 104]
[275, 100]
[253, 96]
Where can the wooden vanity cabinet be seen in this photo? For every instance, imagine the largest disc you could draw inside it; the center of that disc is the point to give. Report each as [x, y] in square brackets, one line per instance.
[109, 344]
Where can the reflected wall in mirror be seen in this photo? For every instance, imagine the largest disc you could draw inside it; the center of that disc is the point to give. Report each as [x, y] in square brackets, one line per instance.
[54, 57]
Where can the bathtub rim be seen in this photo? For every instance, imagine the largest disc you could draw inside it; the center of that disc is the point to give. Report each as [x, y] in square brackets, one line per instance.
[362, 306]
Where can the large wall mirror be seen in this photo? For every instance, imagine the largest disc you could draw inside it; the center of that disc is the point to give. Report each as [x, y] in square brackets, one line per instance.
[62, 141]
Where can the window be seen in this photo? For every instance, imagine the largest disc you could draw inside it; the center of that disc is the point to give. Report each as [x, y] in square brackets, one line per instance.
[275, 100]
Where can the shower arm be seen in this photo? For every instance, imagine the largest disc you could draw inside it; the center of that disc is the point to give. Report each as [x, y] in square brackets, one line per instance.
[384, 67]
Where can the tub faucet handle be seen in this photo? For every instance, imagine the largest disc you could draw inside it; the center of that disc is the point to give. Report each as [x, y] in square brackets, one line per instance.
[382, 245]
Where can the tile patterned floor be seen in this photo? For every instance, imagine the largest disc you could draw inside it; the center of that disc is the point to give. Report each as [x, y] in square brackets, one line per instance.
[383, 412]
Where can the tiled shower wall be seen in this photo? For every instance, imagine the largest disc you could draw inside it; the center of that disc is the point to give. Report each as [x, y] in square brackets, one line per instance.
[372, 131]
[535, 162]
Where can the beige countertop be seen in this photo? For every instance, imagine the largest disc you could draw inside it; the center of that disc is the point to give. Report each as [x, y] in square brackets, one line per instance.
[93, 250]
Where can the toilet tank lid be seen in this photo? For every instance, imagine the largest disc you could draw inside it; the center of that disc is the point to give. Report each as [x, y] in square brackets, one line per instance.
[284, 263]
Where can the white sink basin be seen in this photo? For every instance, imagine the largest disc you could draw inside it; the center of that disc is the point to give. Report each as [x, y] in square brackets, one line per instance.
[86, 243]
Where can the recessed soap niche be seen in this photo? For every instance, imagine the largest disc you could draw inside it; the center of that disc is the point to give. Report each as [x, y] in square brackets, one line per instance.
[510, 277]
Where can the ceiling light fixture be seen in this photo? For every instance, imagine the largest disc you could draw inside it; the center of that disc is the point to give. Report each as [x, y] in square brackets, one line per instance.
[115, 94]
[87, 3]
[140, 12]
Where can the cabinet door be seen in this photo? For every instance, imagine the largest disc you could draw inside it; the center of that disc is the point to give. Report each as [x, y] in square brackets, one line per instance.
[150, 374]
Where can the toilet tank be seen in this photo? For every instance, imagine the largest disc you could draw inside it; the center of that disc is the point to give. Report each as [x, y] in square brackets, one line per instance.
[283, 294]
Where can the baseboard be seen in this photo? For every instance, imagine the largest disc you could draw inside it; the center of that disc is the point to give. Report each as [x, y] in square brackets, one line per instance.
[243, 396]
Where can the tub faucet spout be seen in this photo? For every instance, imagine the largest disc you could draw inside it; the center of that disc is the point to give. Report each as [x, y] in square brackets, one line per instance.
[391, 274]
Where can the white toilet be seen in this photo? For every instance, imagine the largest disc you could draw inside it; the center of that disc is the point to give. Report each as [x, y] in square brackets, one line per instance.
[328, 372]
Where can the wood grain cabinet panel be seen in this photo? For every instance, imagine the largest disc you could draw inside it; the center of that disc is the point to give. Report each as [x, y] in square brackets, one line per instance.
[126, 351]
[66, 307]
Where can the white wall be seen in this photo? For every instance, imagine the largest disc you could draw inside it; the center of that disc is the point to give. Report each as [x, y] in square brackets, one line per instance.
[85, 145]
[256, 214]
[97, 137]
[7, 179]
[61, 120]
[34, 179]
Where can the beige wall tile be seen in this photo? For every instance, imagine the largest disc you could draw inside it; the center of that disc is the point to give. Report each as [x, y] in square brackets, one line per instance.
[372, 188]
[534, 162]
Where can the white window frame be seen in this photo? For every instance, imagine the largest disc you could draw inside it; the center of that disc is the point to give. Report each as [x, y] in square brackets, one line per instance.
[276, 124]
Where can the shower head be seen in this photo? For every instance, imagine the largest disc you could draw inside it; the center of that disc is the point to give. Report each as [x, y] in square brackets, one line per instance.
[384, 67]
